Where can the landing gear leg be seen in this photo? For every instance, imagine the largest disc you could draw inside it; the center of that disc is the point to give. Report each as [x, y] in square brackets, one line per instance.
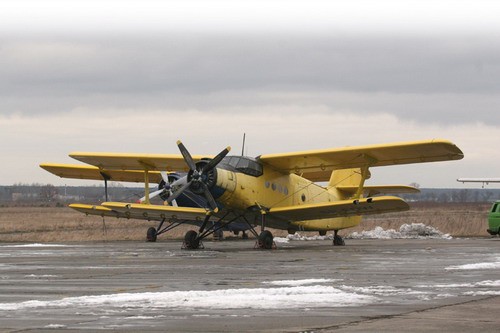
[337, 240]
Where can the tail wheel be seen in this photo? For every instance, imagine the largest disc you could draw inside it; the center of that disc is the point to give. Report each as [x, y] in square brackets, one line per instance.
[338, 241]
[266, 240]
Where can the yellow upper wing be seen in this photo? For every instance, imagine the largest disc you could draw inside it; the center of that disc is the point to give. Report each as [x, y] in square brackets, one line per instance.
[124, 161]
[92, 172]
[341, 208]
[317, 165]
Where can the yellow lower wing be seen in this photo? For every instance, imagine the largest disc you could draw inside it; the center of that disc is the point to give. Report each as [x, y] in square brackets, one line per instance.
[96, 210]
[142, 211]
[341, 208]
[157, 212]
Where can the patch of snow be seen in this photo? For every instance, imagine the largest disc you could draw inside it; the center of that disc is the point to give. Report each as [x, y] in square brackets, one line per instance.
[55, 326]
[406, 231]
[382, 290]
[483, 293]
[36, 245]
[280, 240]
[247, 298]
[486, 283]
[34, 276]
[299, 237]
[480, 265]
[294, 283]
[144, 317]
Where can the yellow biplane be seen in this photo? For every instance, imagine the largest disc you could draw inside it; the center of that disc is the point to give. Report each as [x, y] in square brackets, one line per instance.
[271, 191]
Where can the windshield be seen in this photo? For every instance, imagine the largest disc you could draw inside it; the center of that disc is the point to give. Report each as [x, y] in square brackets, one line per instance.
[246, 165]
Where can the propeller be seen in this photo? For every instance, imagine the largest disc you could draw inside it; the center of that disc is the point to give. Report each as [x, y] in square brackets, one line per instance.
[201, 176]
[165, 187]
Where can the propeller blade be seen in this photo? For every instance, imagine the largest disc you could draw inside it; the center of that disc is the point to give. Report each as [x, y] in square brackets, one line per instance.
[211, 201]
[179, 181]
[216, 160]
[151, 195]
[164, 176]
[187, 156]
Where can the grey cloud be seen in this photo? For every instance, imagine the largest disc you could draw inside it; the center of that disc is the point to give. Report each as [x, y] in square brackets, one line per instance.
[450, 79]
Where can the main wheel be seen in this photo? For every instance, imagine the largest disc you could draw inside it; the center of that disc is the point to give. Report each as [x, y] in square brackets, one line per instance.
[266, 240]
[151, 234]
[191, 240]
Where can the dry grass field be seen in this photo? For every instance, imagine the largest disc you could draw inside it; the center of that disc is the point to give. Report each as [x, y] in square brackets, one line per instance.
[456, 219]
[61, 224]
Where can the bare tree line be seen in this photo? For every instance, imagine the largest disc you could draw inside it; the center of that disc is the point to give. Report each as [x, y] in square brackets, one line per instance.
[49, 195]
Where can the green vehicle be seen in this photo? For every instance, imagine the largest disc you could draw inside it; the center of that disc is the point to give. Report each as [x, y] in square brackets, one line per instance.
[494, 214]
[494, 219]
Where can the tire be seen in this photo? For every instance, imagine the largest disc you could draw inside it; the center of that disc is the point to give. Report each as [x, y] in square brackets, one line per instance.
[266, 240]
[191, 240]
[151, 234]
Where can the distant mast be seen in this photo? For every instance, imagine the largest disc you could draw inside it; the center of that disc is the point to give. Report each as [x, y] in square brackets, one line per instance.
[243, 146]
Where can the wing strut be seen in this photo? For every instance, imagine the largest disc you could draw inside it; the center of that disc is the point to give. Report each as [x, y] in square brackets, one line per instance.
[146, 185]
[106, 178]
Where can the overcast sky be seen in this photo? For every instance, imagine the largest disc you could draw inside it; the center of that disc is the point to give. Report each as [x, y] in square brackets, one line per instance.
[135, 76]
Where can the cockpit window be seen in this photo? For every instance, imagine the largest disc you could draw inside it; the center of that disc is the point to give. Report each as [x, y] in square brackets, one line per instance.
[246, 165]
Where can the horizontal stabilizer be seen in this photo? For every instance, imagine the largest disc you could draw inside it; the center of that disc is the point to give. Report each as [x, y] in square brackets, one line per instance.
[369, 191]
[344, 208]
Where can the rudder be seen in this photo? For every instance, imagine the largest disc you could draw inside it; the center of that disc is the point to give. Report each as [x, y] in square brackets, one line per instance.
[344, 177]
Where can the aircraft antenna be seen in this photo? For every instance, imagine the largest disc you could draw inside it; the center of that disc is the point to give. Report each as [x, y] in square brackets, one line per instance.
[243, 146]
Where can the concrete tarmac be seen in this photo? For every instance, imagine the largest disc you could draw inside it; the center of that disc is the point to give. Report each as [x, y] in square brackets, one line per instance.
[420, 285]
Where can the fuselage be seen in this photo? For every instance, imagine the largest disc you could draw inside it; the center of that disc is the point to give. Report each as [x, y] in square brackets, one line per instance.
[249, 188]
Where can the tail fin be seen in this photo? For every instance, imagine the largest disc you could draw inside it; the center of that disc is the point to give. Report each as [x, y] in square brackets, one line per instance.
[347, 178]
